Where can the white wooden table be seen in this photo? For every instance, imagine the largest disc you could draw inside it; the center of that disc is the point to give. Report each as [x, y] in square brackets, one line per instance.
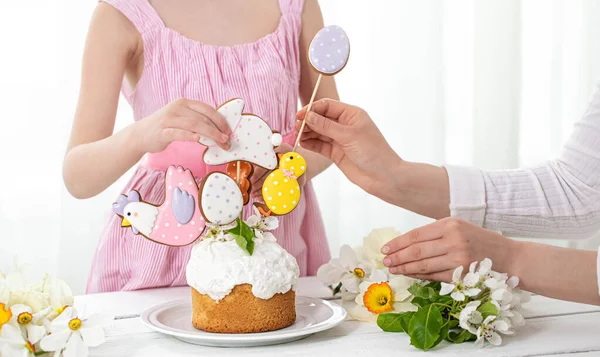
[553, 328]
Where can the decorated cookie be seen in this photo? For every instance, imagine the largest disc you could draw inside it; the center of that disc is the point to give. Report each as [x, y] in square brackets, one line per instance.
[232, 112]
[221, 201]
[281, 190]
[252, 139]
[246, 171]
[176, 222]
[329, 50]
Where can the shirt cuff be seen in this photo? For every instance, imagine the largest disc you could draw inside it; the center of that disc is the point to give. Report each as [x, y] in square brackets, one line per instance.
[467, 194]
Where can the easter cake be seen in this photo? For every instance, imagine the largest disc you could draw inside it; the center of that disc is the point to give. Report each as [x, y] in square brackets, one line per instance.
[234, 292]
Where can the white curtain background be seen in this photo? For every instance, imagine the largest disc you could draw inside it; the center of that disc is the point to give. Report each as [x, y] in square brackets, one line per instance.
[495, 84]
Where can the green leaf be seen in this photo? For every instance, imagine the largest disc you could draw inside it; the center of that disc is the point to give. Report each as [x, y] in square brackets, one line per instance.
[459, 335]
[424, 292]
[392, 322]
[425, 326]
[420, 302]
[244, 236]
[337, 289]
[488, 309]
[445, 299]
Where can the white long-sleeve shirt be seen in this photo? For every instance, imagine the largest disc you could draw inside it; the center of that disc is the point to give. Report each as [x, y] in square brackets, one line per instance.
[560, 199]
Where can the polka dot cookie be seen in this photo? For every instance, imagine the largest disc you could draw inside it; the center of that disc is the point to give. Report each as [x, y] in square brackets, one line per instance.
[281, 190]
[329, 50]
[221, 201]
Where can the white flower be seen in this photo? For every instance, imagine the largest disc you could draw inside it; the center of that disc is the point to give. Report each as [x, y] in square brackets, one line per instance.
[461, 288]
[373, 243]
[261, 225]
[488, 331]
[470, 318]
[345, 269]
[15, 344]
[379, 297]
[73, 336]
[218, 232]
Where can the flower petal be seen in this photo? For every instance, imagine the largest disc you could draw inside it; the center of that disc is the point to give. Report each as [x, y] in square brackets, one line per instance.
[75, 346]
[93, 336]
[472, 292]
[350, 282]
[446, 288]
[12, 334]
[348, 257]
[501, 325]
[378, 276]
[485, 266]
[56, 341]
[35, 333]
[471, 279]
[495, 339]
[360, 313]
[457, 274]
[404, 307]
[458, 296]
[513, 282]
[472, 267]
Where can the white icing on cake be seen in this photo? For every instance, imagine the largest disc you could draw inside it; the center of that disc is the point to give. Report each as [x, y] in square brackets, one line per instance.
[215, 268]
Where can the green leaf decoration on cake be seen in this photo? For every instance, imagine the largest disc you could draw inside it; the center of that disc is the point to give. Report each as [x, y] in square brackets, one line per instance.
[244, 236]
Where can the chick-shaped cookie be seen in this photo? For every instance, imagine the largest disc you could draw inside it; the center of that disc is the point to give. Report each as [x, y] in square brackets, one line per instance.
[281, 190]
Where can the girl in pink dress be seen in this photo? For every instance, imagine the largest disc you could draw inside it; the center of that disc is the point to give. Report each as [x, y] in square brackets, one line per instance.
[175, 61]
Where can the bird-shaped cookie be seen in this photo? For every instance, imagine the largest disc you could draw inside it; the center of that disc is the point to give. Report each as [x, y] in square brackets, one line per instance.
[176, 222]
[281, 190]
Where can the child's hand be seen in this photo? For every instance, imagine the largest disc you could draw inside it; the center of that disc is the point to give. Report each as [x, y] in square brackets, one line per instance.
[260, 174]
[181, 120]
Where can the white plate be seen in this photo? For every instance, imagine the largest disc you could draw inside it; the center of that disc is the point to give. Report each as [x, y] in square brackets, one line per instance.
[312, 315]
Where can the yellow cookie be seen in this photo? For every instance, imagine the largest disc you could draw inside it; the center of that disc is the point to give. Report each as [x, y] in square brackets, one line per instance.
[281, 190]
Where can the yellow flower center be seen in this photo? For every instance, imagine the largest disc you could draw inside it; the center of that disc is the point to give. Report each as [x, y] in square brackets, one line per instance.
[378, 298]
[5, 314]
[24, 318]
[75, 324]
[60, 310]
[30, 347]
[359, 273]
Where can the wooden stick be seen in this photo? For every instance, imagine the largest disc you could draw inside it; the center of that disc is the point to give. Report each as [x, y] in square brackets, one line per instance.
[312, 98]
[239, 182]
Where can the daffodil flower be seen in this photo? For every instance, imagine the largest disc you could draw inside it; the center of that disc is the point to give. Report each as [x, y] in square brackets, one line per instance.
[470, 318]
[488, 331]
[372, 244]
[30, 324]
[14, 344]
[459, 288]
[73, 336]
[379, 297]
[5, 312]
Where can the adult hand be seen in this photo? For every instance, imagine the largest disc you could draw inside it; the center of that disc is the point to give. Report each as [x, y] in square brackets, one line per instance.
[181, 120]
[260, 174]
[432, 252]
[347, 136]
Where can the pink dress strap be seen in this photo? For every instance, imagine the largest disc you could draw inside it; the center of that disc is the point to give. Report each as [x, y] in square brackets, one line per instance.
[293, 7]
[141, 14]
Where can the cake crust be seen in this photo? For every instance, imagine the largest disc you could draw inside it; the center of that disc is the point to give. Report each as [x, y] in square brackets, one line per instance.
[242, 312]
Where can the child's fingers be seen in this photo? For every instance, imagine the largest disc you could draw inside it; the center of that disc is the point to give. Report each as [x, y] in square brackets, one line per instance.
[211, 113]
[173, 134]
[202, 128]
